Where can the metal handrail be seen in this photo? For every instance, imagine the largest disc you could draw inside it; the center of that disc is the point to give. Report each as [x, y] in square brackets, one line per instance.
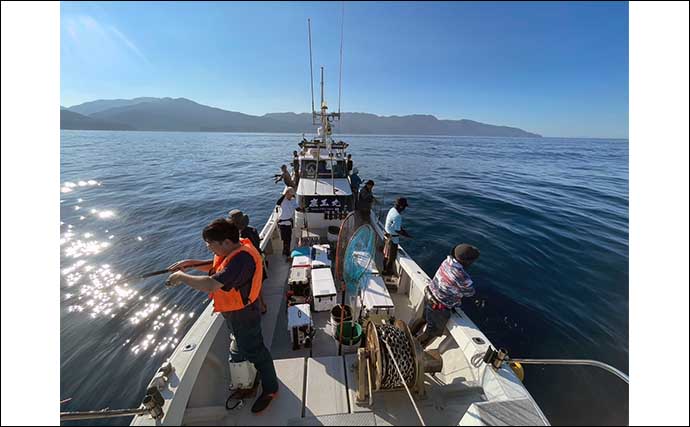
[104, 413]
[581, 362]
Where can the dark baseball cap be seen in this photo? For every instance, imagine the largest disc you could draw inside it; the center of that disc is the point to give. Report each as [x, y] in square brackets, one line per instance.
[402, 202]
[465, 252]
[238, 218]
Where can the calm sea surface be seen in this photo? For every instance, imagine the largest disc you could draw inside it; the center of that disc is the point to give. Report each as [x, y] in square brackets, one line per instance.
[549, 215]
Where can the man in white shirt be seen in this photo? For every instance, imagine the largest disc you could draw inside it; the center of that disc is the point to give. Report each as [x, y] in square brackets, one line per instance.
[393, 229]
[288, 205]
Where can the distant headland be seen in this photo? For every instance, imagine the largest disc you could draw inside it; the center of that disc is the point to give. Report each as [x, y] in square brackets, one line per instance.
[181, 114]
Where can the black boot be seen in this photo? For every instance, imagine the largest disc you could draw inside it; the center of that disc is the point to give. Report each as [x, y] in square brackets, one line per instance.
[263, 401]
[425, 339]
[417, 325]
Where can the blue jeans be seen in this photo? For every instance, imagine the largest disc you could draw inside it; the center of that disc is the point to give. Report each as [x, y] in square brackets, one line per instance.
[249, 345]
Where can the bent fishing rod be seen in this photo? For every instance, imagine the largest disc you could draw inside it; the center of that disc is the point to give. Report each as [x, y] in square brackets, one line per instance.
[158, 273]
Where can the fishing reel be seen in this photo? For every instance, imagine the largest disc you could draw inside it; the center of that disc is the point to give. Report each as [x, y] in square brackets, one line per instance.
[153, 402]
[495, 358]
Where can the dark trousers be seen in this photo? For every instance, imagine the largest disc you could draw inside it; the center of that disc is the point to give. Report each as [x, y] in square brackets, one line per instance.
[249, 345]
[355, 196]
[364, 216]
[390, 252]
[286, 236]
[435, 321]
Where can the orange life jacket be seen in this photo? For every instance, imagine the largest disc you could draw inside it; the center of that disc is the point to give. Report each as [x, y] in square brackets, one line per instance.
[232, 301]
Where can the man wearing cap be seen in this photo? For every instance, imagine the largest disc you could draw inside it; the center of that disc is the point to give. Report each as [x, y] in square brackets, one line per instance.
[365, 200]
[241, 221]
[393, 229]
[450, 284]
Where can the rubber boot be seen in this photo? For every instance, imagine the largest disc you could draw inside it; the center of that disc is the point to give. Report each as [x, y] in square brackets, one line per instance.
[417, 325]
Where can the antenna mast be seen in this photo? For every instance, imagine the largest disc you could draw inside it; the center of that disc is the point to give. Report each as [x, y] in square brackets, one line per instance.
[311, 73]
[340, 78]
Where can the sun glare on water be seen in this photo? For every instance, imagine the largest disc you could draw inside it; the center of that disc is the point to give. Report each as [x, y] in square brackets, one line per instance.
[93, 290]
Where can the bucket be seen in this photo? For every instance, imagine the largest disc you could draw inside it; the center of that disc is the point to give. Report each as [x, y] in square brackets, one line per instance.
[336, 312]
[333, 232]
[351, 335]
[334, 321]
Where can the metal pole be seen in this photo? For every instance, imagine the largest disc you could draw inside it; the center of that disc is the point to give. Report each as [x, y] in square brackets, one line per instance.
[311, 73]
[584, 362]
[340, 79]
[318, 157]
[332, 171]
[104, 413]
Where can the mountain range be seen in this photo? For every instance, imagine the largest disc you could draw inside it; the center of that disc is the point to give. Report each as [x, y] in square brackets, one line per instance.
[181, 114]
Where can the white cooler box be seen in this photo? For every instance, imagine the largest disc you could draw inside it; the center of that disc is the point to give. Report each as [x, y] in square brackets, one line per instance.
[375, 297]
[320, 256]
[300, 324]
[323, 289]
[301, 261]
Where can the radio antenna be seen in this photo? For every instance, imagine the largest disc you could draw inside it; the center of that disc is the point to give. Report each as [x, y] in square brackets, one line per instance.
[311, 73]
[340, 78]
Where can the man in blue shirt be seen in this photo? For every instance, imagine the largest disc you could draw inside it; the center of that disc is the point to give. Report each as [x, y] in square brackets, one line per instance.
[393, 229]
[355, 182]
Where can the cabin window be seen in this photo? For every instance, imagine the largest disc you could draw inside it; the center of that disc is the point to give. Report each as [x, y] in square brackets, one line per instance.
[327, 169]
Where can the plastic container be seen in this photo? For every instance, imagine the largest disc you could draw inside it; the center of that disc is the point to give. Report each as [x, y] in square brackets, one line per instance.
[334, 321]
[351, 336]
[336, 312]
[323, 289]
[303, 251]
[319, 256]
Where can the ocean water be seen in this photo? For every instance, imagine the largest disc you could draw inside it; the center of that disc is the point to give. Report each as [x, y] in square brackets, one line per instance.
[549, 215]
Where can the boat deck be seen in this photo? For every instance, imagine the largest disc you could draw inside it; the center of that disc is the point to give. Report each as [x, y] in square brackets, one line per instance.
[321, 391]
[317, 387]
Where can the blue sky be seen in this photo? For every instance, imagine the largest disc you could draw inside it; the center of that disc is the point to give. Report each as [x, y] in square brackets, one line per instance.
[558, 69]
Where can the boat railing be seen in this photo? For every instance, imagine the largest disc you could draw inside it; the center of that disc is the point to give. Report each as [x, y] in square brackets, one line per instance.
[267, 231]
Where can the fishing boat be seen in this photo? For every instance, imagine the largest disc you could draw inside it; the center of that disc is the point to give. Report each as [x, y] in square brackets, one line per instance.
[337, 329]
[324, 380]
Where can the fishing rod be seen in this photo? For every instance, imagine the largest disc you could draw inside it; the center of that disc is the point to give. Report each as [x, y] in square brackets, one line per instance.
[158, 273]
[152, 404]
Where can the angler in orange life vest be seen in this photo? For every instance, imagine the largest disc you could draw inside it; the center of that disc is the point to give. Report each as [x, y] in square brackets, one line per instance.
[234, 283]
